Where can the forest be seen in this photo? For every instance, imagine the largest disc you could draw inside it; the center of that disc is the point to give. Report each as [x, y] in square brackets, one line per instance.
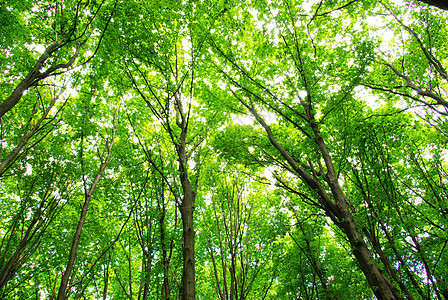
[223, 149]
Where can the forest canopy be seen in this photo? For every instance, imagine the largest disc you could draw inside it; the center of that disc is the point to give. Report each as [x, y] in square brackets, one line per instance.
[261, 149]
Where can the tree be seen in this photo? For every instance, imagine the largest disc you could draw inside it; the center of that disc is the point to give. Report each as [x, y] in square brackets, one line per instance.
[169, 91]
[320, 178]
[238, 243]
[308, 116]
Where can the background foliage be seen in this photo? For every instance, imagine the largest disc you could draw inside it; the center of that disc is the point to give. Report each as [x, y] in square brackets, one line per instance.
[306, 133]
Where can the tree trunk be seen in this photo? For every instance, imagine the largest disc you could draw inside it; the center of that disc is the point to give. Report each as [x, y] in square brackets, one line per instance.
[75, 242]
[188, 291]
[74, 248]
[188, 288]
[381, 286]
[387, 265]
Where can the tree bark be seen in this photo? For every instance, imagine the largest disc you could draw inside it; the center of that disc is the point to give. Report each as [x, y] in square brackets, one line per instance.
[188, 291]
[106, 276]
[188, 288]
[16, 95]
[379, 283]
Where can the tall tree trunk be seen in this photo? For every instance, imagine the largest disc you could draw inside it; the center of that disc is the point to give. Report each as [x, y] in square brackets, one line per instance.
[381, 286]
[188, 291]
[147, 250]
[188, 288]
[376, 245]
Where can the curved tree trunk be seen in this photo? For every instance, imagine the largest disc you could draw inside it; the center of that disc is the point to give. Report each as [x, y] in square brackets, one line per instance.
[336, 206]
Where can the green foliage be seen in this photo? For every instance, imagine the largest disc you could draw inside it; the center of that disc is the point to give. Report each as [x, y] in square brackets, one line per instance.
[267, 98]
